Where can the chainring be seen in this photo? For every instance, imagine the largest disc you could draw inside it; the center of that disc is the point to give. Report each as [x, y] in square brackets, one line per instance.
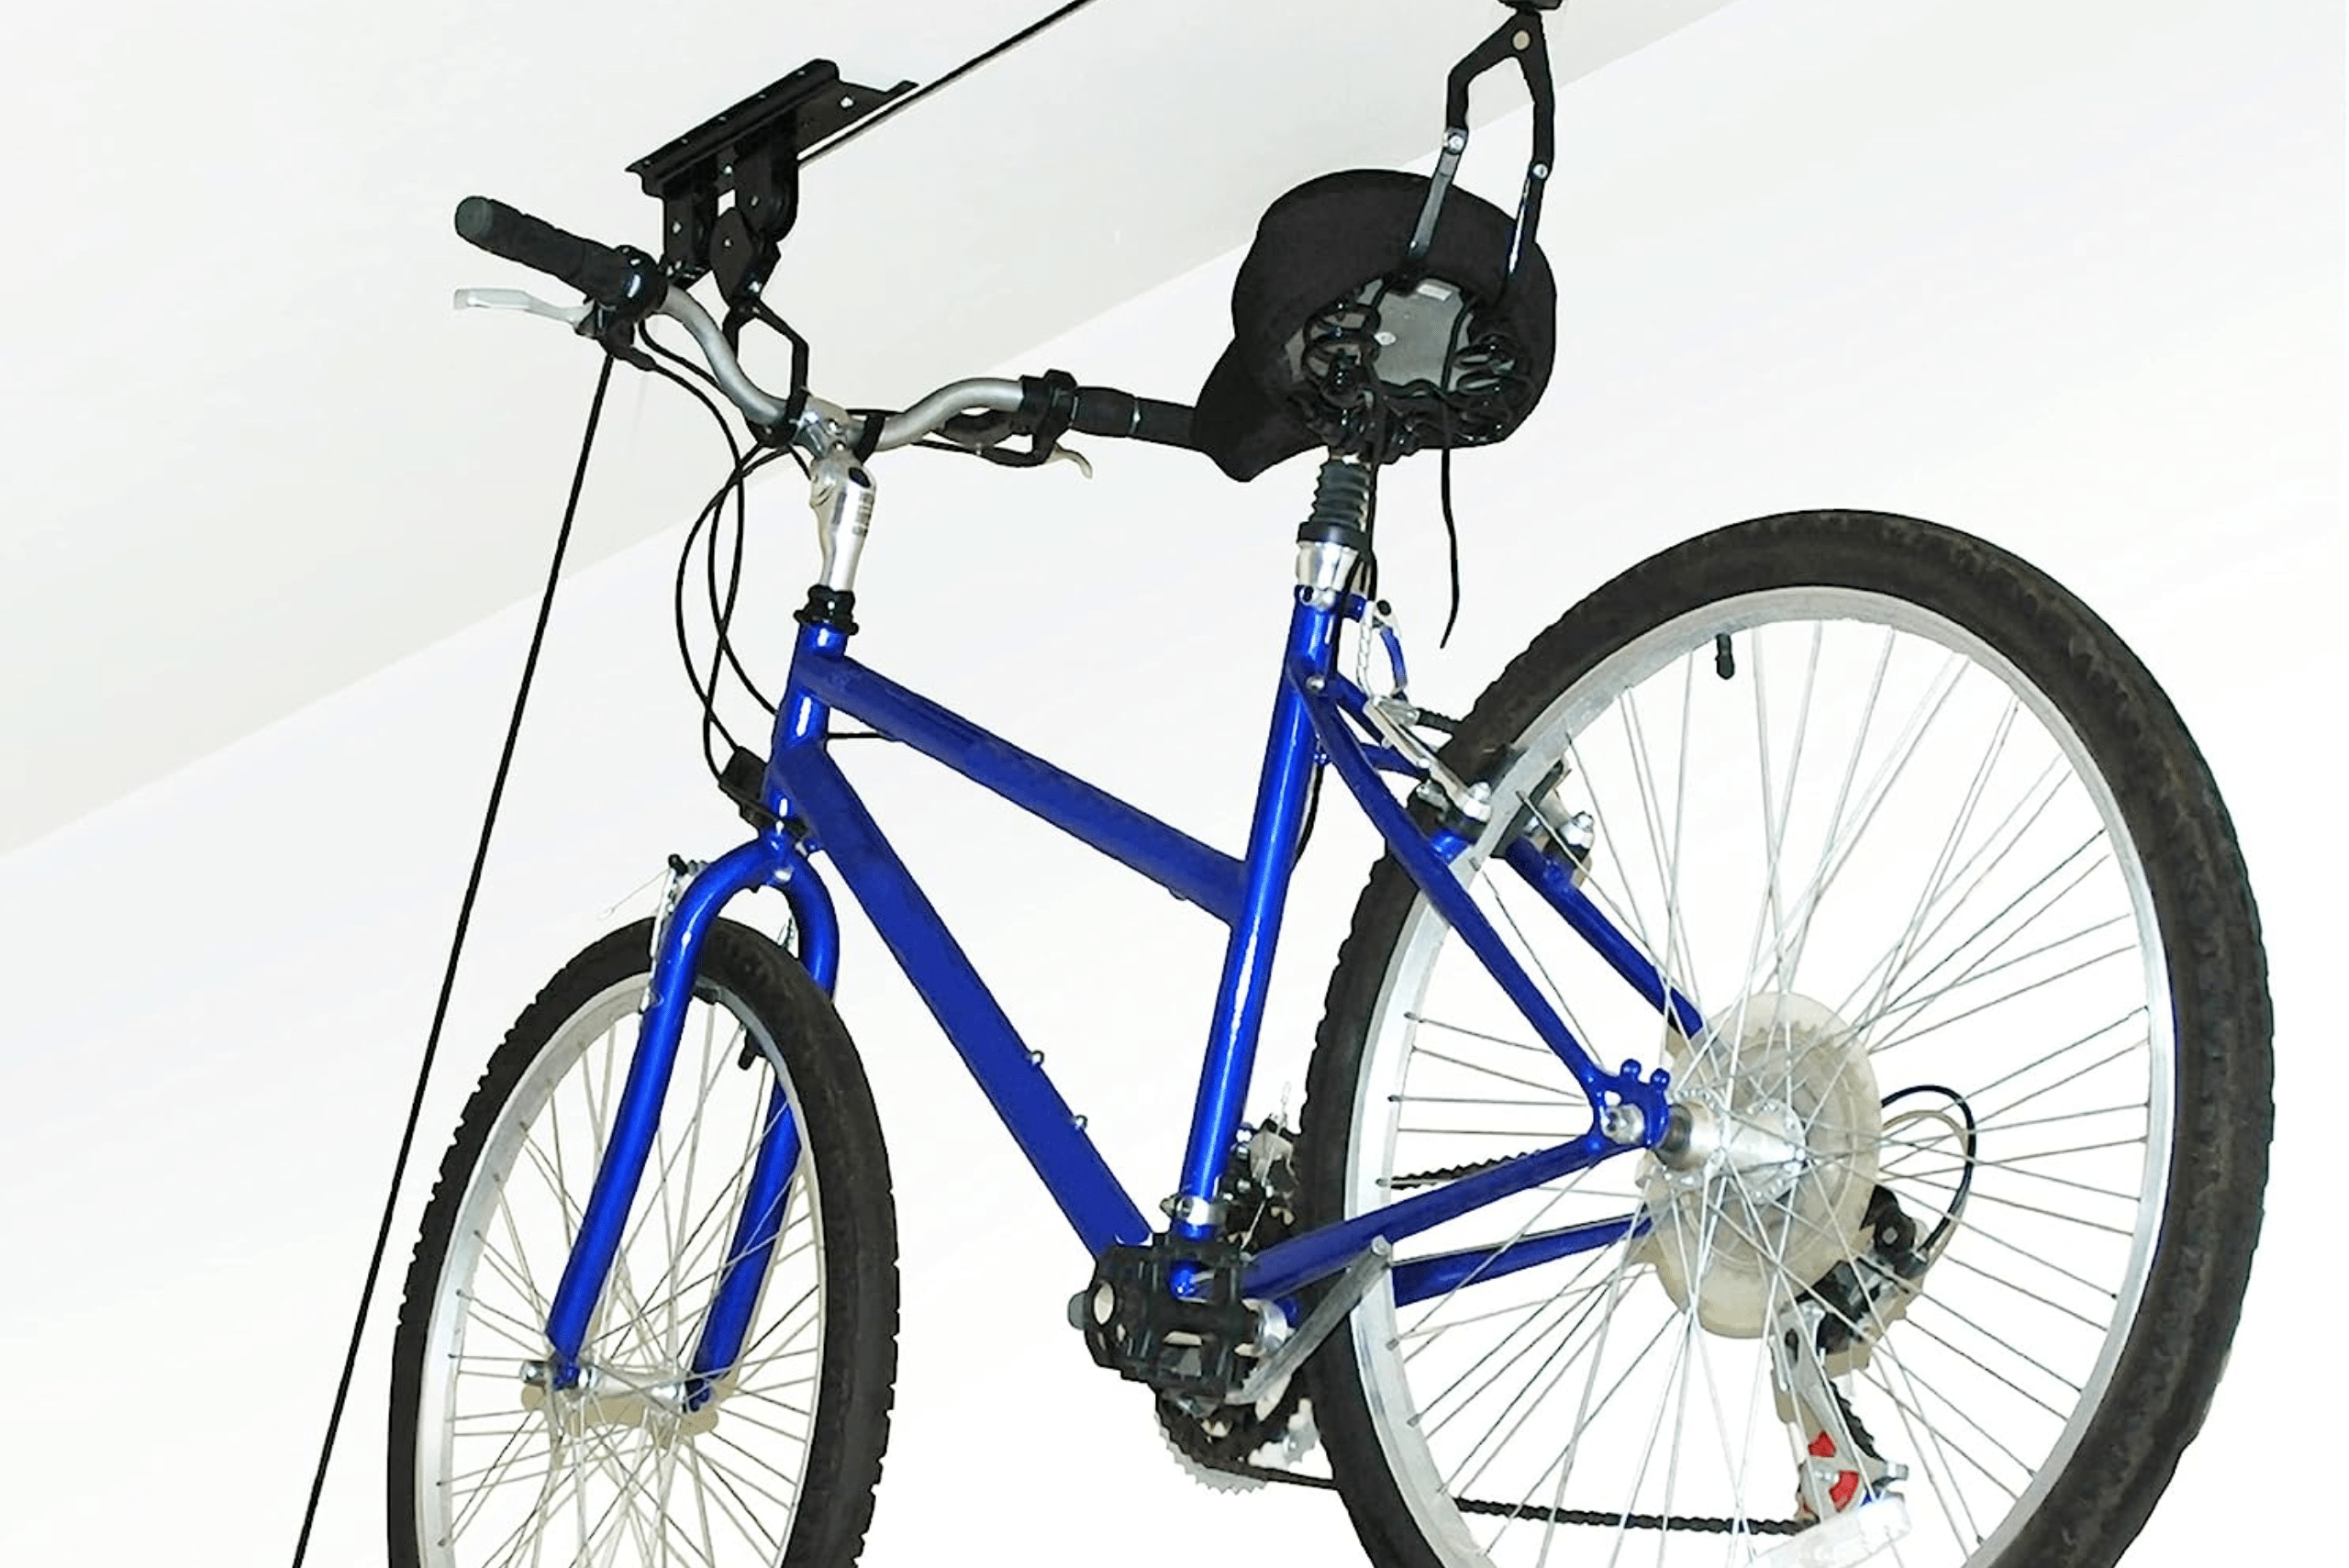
[1226, 1449]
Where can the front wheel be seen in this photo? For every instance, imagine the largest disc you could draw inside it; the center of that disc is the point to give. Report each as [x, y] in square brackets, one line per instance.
[1948, 1250]
[653, 1453]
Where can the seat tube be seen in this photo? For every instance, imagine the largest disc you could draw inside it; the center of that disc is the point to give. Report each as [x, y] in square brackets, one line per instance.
[1327, 546]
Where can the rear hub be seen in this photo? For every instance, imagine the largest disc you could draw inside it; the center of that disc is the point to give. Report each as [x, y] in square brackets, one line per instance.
[1761, 1185]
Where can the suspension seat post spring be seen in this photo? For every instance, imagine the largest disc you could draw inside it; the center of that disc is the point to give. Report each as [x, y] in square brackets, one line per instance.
[1336, 534]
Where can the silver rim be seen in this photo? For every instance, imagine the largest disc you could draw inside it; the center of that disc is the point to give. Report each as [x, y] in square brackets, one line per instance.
[1877, 818]
[507, 1475]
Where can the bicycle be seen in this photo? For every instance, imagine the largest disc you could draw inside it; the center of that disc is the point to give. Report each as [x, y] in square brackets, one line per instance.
[1935, 990]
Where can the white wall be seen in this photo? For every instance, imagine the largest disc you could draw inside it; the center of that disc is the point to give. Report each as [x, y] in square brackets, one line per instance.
[265, 186]
[2069, 278]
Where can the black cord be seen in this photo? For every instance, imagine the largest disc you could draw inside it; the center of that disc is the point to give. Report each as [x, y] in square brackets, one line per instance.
[1312, 811]
[1966, 1183]
[708, 693]
[692, 367]
[721, 603]
[1443, 480]
[721, 610]
[456, 946]
[919, 93]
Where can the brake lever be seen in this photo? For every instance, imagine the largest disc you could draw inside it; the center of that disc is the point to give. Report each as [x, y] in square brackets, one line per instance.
[521, 299]
[1070, 454]
[617, 334]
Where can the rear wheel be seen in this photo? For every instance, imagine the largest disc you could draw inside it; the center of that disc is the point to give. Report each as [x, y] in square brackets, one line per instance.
[774, 1462]
[1981, 1103]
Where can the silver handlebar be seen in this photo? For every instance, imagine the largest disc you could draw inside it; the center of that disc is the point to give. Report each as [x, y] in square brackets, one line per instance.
[823, 425]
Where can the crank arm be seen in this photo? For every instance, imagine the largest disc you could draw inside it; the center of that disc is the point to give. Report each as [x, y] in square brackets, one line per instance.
[1349, 1289]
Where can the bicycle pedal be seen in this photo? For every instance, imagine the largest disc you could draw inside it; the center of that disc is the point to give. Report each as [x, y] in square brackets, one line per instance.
[1199, 1345]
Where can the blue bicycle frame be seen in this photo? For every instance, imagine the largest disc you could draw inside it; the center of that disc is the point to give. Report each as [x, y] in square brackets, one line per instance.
[1319, 718]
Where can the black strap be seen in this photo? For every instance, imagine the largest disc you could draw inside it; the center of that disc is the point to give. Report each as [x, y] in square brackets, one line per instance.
[448, 977]
[870, 423]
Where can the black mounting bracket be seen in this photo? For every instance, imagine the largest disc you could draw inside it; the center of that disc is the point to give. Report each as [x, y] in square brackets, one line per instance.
[752, 149]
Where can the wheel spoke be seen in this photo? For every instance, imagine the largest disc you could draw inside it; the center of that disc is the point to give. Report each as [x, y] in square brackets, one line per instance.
[1907, 852]
[616, 1470]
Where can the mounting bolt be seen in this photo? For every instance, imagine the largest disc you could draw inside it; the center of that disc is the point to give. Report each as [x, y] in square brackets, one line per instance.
[1624, 1123]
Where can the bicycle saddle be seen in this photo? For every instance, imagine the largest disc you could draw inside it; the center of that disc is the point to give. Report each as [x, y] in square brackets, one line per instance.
[1339, 340]
[1381, 313]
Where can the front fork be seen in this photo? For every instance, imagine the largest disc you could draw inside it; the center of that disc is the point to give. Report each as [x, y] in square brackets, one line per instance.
[770, 860]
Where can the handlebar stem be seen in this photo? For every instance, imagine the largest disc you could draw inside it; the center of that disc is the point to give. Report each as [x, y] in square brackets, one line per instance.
[840, 494]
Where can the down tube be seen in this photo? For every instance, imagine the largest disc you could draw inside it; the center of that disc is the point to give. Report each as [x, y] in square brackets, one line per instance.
[1040, 1121]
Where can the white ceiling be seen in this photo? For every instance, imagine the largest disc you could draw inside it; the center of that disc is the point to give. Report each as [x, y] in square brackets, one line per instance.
[251, 455]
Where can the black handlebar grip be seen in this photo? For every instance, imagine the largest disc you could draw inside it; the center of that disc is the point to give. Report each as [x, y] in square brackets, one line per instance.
[1167, 424]
[604, 274]
[1106, 411]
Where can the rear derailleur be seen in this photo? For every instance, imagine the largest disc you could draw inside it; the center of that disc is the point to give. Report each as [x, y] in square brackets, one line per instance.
[1827, 1333]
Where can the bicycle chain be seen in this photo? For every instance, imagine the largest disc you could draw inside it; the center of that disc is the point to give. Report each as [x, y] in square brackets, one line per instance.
[1698, 1524]
[1215, 1450]
[1448, 1173]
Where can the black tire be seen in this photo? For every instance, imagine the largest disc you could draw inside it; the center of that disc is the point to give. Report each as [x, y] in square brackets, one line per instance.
[2147, 1375]
[761, 1022]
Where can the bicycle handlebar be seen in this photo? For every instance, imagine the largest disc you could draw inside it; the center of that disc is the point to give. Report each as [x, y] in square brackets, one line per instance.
[616, 278]
[626, 280]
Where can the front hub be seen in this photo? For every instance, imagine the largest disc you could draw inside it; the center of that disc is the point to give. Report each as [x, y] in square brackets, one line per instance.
[656, 1399]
